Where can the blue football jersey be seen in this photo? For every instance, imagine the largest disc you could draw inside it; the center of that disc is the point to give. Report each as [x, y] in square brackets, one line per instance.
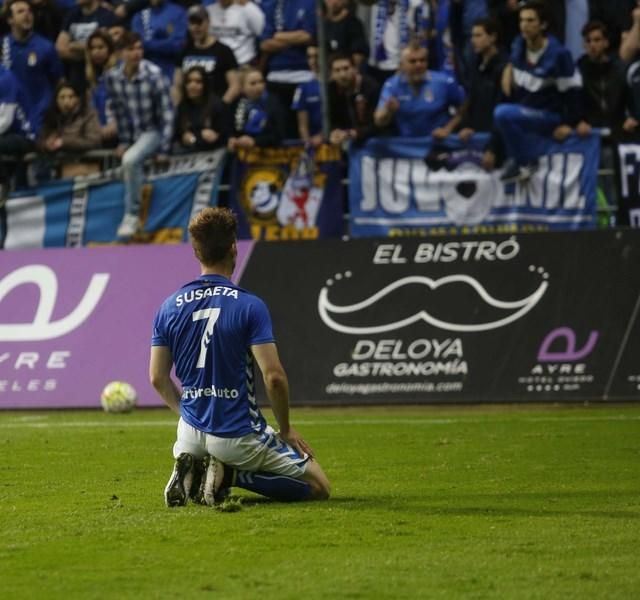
[425, 109]
[209, 325]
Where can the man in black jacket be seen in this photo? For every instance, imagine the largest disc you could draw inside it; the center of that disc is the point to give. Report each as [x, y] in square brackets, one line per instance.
[484, 91]
[605, 95]
[352, 101]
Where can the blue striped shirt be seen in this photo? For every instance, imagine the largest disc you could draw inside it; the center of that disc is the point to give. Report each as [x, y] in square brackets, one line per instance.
[552, 83]
[141, 104]
[163, 29]
[14, 107]
[37, 67]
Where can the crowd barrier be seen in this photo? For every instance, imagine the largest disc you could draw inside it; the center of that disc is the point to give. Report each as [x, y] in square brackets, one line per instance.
[396, 187]
[521, 318]
[86, 210]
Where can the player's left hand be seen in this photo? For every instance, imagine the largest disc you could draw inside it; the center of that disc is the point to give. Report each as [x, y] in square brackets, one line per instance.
[294, 439]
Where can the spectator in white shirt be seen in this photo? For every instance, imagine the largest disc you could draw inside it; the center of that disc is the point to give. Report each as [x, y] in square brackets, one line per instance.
[237, 24]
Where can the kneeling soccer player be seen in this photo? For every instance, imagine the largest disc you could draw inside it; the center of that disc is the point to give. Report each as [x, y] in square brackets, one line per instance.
[212, 331]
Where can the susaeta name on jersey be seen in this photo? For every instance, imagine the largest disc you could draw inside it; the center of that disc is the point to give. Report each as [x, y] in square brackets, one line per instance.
[23, 364]
[208, 292]
[397, 358]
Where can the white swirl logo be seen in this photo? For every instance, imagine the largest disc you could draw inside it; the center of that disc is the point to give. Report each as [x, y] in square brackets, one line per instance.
[517, 308]
[42, 327]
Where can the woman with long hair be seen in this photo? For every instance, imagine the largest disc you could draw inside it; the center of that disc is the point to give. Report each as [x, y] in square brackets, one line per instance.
[100, 57]
[70, 127]
[202, 120]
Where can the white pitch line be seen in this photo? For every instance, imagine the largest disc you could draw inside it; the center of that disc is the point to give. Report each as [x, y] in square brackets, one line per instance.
[421, 421]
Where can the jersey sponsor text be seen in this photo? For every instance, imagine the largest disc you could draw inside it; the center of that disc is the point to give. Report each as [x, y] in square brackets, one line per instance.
[211, 392]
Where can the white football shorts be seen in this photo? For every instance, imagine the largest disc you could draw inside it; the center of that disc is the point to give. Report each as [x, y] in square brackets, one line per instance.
[264, 451]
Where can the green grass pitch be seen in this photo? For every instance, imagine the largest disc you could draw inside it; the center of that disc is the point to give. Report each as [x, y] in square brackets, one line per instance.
[482, 502]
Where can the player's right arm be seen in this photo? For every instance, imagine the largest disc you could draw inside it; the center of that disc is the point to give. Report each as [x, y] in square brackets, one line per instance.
[277, 388]
[160, 365]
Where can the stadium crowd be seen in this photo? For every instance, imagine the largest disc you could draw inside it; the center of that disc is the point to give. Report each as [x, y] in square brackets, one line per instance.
[146, 78]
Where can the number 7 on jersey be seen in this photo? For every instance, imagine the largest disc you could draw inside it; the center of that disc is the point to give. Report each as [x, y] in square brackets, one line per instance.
[211, 314]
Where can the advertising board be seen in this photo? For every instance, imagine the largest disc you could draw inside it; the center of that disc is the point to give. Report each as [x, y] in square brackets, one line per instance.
[533, 317]
[72, 320]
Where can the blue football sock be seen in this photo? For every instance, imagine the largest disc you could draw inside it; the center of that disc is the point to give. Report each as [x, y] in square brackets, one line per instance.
[278, 487]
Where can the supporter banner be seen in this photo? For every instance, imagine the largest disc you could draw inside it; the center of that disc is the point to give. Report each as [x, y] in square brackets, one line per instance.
[72, 320]
[288, 193]
[393, 191]
[530, 317]
[88, 210]
[629, 171]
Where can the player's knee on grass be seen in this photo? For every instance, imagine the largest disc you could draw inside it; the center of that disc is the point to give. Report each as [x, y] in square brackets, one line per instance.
[315, 477]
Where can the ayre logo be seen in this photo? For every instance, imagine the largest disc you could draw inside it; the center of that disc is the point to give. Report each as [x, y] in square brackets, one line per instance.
[569, 353]
[42, 327]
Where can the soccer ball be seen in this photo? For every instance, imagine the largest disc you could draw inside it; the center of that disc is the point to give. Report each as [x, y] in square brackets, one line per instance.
[118, 397]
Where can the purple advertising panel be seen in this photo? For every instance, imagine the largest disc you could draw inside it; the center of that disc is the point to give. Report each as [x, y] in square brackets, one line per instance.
[72, 320]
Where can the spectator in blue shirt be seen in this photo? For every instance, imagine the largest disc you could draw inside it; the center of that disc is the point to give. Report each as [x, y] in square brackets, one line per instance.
[289, 28]
[14, 113]
[163, 30]
[71, 44]
[47, 18]
[32, 58]
[139, 96]
[419, 102]
[545, 88]
[307, 104]
[16, 137]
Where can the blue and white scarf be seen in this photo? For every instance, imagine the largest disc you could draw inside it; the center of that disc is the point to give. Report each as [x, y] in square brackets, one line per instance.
[278, 15]
[384, 13]
[146, 24]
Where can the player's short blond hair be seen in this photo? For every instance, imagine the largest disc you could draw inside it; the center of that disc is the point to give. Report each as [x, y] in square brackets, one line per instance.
[213, 233]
